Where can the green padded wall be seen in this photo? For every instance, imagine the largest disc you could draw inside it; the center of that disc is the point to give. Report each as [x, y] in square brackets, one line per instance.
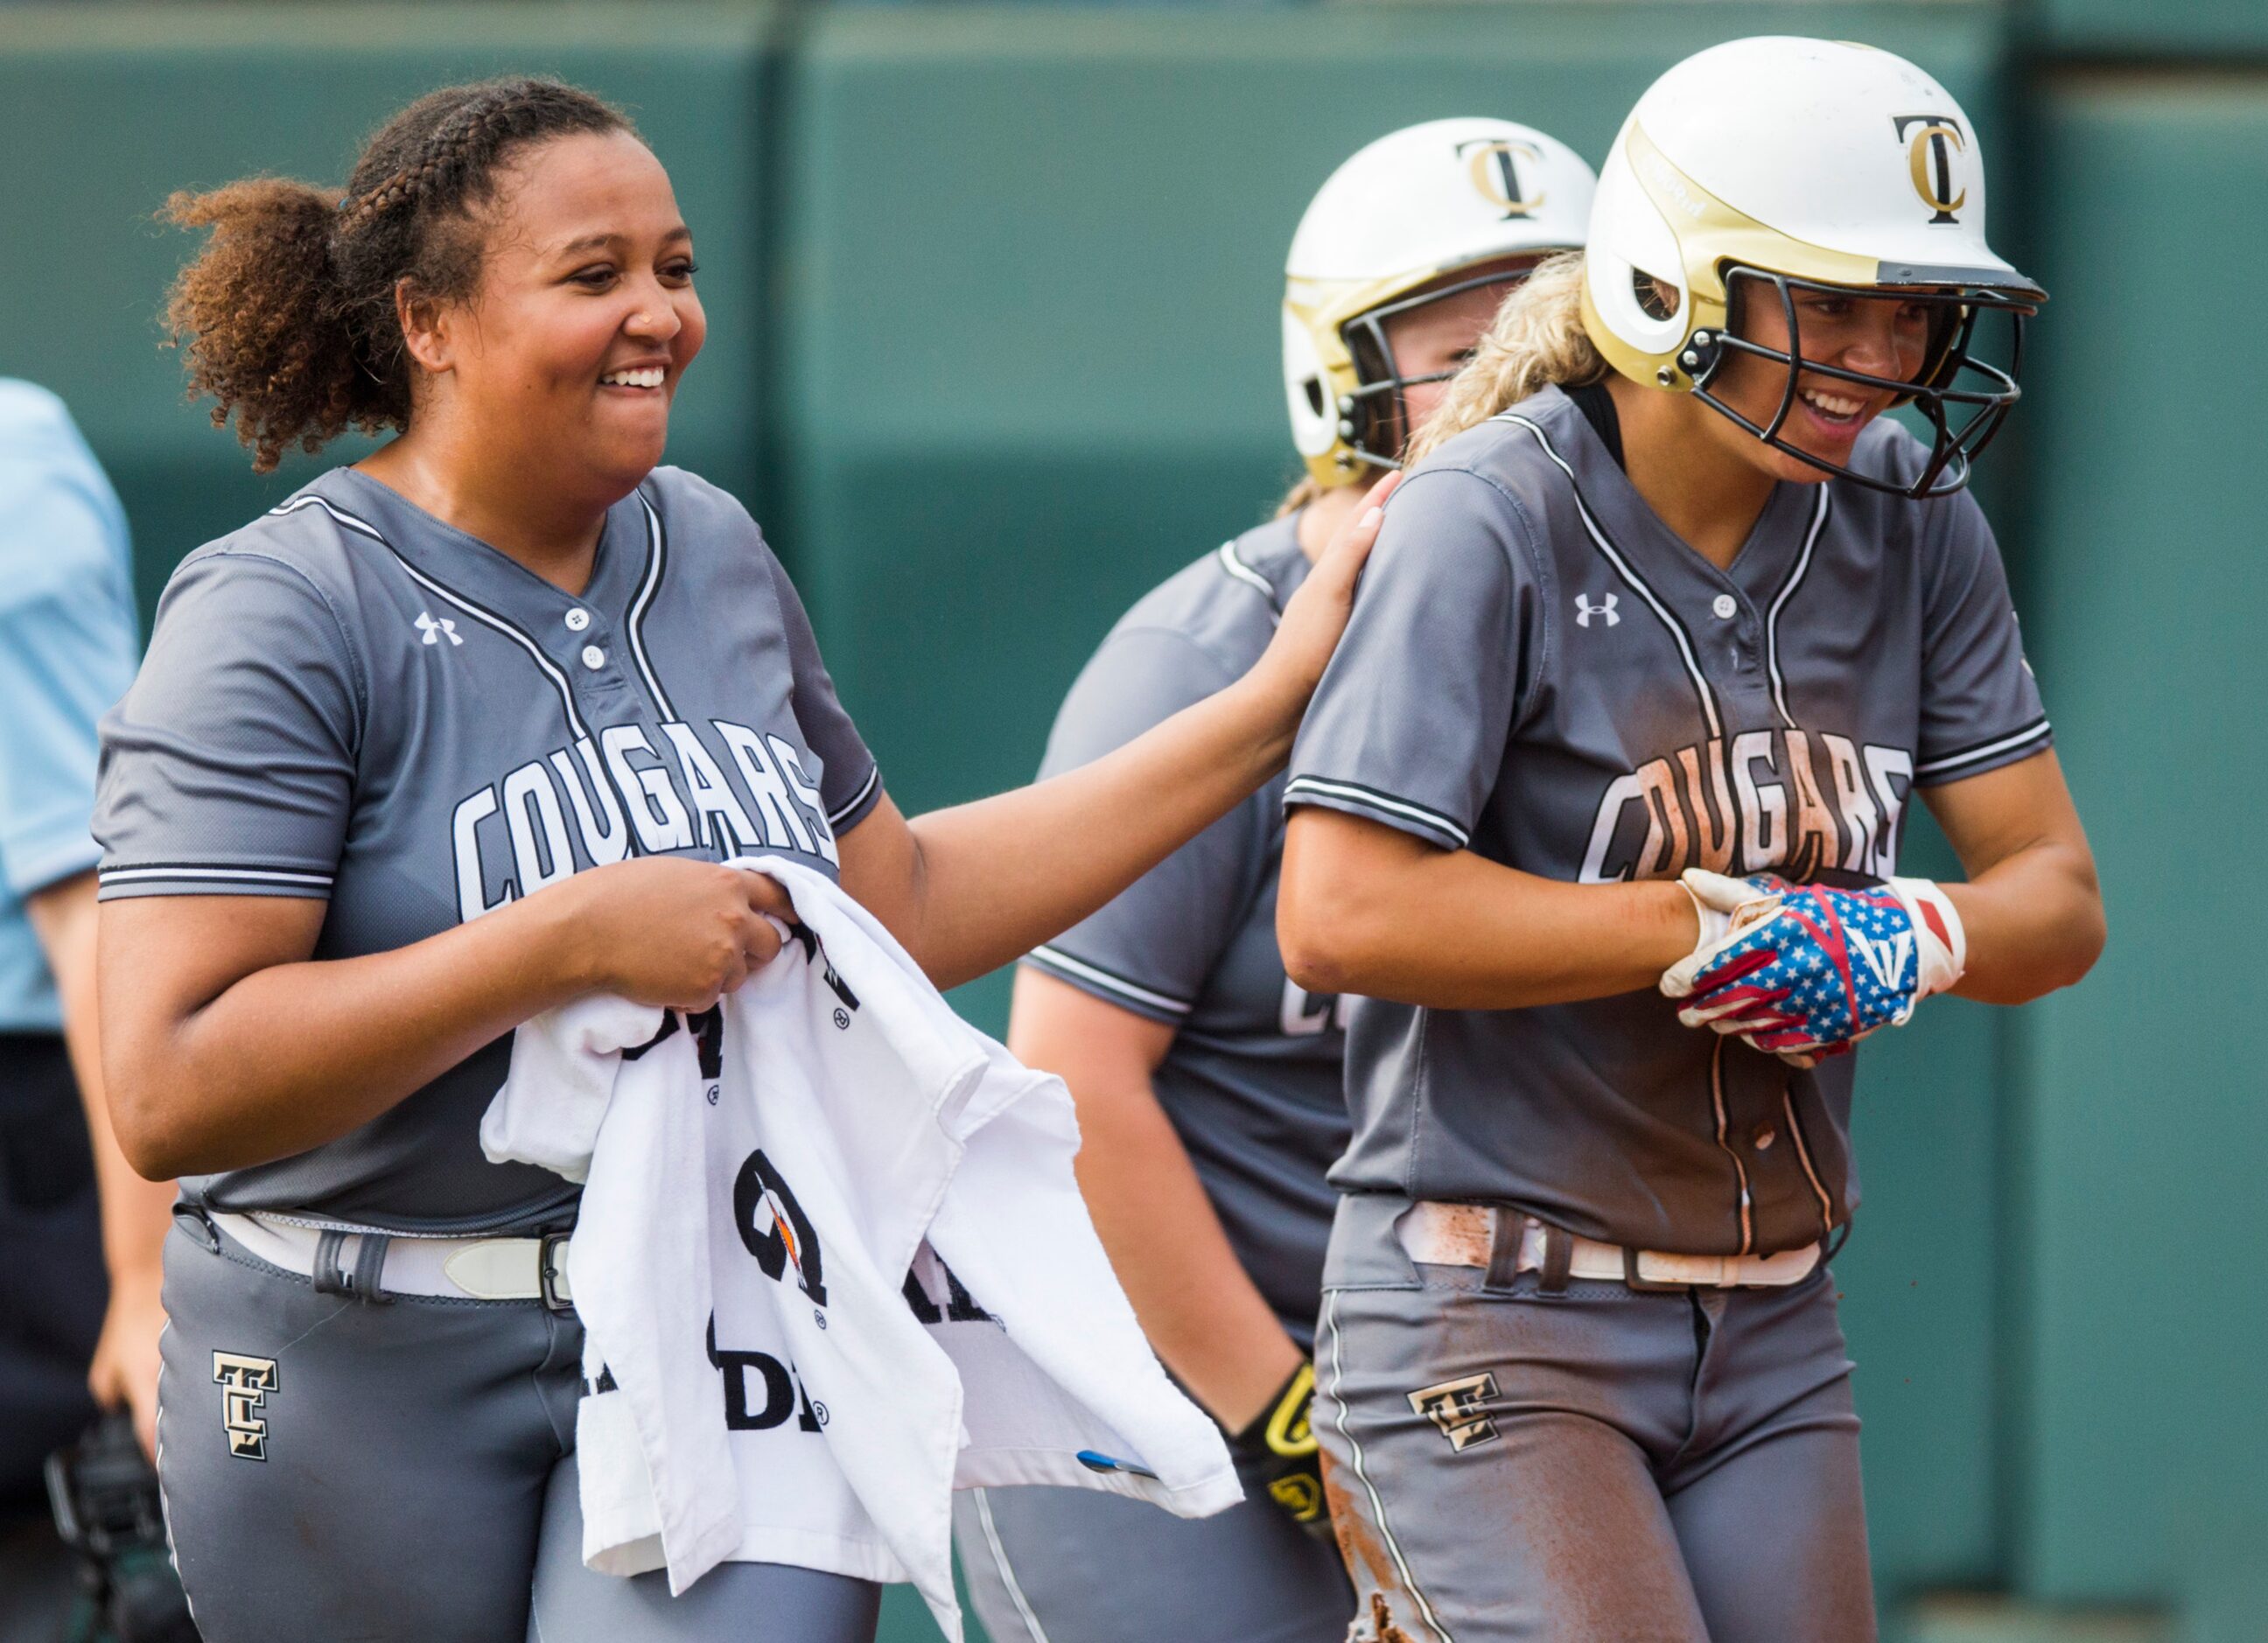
[104, 110]
[2146, 1427]
[1031, 264]
[2181, 29]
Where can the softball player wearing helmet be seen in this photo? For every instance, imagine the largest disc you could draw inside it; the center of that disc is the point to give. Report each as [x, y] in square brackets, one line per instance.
[1209, 1085]
[449, 737]
[1665, 595]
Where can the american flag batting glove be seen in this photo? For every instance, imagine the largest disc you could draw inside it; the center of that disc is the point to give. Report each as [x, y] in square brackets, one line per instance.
[1804, 972]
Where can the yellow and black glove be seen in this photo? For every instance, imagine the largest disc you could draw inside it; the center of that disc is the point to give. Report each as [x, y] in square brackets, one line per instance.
[1279, 1448]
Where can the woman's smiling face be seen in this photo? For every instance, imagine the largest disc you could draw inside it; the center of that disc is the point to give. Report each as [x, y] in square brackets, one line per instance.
[1886, 337]
[585, 318]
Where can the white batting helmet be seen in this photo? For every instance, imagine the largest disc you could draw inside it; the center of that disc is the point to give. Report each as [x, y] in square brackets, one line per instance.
[1777, 164]
[1409, 208]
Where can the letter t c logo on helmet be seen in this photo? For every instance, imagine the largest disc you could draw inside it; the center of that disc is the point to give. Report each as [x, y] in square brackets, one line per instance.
[1930, 152]
[1495, 166]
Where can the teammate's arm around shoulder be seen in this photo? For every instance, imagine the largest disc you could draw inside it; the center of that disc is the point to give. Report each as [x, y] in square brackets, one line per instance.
[970, 889]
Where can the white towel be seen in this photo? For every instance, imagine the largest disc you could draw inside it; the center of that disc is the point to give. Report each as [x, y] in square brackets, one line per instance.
[874, 1204]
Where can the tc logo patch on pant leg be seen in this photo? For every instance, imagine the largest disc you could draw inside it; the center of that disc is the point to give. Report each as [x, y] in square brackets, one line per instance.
[245, 1385]
[1460, 1408]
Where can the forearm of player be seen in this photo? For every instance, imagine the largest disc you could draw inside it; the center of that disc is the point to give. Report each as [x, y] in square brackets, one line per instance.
[1205, 1317]
[226, 1044]
[293, 1051]
[2032, 906]
[136, 1213]
[970, 889]
[1365, 909]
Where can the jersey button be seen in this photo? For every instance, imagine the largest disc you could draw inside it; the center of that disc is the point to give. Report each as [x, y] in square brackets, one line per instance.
[593, 658]
[1726, 606]
[578, 619]
[1765, 1137]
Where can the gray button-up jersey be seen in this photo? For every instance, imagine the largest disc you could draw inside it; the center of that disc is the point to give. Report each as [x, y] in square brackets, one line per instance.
[351, 700]
[1252, 1082]
[1540, 671]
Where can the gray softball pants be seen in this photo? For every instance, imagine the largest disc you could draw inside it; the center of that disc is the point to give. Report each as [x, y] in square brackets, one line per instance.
[1079, 1566]
[403, 1472]
[1505, 1464]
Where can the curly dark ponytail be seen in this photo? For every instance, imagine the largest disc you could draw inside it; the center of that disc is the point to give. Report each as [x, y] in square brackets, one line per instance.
[288, 315]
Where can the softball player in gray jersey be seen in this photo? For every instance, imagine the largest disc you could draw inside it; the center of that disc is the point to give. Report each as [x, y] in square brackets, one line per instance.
[447, 739]
[1664, 632]
[1209, 1085]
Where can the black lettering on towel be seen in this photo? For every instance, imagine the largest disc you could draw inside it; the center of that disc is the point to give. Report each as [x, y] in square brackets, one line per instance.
[783, 1392]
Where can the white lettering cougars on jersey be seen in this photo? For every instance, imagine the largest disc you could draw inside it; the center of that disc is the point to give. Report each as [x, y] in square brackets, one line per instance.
[1788, 801]
[513, 834]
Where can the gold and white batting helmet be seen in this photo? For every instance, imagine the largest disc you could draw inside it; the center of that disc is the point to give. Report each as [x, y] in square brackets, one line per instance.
[1763, 166]
[1405, 213]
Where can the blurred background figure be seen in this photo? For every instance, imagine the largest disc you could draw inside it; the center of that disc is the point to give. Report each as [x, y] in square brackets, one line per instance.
[79, 1232]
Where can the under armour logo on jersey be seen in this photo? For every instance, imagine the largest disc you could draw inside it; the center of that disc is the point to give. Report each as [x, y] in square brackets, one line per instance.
[1584, 611]
[433, 630]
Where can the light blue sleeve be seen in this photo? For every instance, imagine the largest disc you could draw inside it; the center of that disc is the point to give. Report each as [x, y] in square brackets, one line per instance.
[66, 649]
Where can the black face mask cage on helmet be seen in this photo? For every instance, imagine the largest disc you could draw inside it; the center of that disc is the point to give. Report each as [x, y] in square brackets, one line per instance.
[1374, 419]
[1954, 380]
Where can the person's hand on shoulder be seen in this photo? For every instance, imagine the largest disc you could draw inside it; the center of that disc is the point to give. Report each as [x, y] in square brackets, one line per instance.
[1316, 617]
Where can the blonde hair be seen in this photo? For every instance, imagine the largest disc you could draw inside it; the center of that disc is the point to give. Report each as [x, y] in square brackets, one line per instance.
[1303, 492]
[1536, 340]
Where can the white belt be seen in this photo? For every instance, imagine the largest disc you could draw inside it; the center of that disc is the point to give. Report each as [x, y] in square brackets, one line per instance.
[1464, 1234]
[479, 1269]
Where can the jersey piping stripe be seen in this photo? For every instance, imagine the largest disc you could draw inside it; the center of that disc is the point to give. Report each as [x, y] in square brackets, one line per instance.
[1803, 1151]
[165, 1501]
[873, 779]
[338, 513]
[1637, 583]
[2037, 731]
[1362, 1473]
[480, 614]
[1232, 562]
[1371, 799]
[1740, 1169]
[657, 552]
[1058, 959]
[190, 870]
[1000, 1562]
[1772, 618]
